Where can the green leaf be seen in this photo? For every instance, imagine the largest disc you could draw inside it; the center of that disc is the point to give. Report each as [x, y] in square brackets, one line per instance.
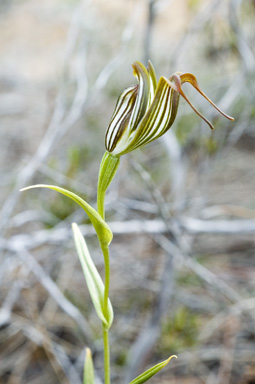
[88, 376]
[103, 231]
[151, 372]
[93, 279]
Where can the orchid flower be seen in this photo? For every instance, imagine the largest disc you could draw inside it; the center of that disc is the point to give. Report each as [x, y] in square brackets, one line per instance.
[144, 112]
[147, 110]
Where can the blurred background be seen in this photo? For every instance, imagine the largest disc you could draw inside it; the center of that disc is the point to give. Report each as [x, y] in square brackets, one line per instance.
[182, 209]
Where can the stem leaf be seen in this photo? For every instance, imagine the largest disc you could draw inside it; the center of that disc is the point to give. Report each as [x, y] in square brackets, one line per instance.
[103, 231]
[108, 168]
[93, 279]
[151, 372]
[88, 376]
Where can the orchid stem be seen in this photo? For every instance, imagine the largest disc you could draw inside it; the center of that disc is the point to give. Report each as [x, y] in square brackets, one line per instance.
[105, 250]
[106, 356]
[108, 168]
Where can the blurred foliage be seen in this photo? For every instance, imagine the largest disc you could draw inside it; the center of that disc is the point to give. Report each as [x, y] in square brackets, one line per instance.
[60, 206]
[121, 357]
[188, 279]
[194, 4]
[179, 332]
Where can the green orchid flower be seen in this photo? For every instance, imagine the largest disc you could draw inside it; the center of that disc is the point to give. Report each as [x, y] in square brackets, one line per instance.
[147, 110]
[144, 112]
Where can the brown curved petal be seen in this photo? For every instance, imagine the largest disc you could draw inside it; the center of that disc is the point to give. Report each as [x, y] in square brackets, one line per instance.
[190, 78]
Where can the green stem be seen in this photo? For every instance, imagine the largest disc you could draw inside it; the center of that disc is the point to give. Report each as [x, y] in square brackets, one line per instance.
[108, 168]
[105, 250]
[106, 356]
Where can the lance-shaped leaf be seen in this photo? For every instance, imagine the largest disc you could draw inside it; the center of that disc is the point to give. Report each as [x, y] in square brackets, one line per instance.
[93, 279]
[151, 372]
[88, 375]
[102, 229]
